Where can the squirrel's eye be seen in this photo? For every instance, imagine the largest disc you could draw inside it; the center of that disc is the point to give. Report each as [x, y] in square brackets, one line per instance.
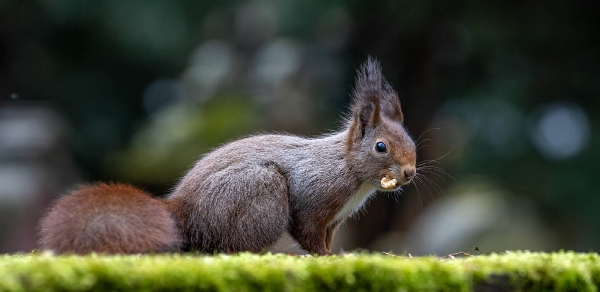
[380, 147]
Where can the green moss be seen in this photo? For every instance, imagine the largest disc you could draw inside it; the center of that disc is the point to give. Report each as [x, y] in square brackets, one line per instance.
[249, 272]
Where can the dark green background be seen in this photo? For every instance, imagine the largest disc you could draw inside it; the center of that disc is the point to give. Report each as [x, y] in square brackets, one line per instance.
[476, 70]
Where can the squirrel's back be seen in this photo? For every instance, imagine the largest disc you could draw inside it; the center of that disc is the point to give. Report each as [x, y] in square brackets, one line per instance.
[108, 218]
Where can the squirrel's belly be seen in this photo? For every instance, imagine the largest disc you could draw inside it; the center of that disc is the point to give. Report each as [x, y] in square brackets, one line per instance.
[356, 201]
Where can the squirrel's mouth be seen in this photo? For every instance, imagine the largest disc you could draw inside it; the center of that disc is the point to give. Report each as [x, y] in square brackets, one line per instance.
[391, 183]
[396, 177]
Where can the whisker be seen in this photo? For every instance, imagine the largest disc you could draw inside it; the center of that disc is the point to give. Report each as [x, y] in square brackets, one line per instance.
[416, 184]
[425, 186]
[423, 146]
[428, 162]
[431, 167]
[395, 194]
[433, 173]
[429, 181]
[443, 156]
[425, 162]
[426, 132]
[417, 181]
[420, 142]
[437, 159]
[435, 170]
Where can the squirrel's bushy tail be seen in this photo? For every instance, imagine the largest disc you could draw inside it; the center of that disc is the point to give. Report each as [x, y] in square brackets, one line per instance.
[108, 218]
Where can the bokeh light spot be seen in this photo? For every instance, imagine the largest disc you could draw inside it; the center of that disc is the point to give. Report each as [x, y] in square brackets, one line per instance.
[561, 131]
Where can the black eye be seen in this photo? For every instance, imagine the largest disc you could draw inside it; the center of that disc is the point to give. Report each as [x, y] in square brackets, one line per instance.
[380, 147]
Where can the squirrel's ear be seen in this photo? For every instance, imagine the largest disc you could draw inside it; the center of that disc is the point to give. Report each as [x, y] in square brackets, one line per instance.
[391, 103]
[366, 102]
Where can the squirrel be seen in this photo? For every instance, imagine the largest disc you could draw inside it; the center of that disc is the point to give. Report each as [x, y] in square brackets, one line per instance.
[245, 194]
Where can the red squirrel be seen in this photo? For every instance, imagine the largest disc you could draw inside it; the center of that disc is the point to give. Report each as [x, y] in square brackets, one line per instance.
[245, 194]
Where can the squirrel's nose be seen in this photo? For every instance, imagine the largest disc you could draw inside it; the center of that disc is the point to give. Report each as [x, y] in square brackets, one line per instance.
[409, 173]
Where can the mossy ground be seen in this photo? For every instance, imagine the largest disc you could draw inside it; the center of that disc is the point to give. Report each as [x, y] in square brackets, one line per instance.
[249, 272]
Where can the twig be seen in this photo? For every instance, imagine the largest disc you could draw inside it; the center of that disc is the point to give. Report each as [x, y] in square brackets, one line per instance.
[393, 255]
[453, 255]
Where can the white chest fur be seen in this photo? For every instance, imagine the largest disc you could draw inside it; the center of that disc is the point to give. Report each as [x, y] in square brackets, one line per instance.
[356, 201]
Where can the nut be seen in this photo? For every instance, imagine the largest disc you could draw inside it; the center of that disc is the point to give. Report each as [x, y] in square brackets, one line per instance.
[388, 183]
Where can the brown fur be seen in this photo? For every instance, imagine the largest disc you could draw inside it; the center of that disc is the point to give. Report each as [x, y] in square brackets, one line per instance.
[108, 218]
[244, 195]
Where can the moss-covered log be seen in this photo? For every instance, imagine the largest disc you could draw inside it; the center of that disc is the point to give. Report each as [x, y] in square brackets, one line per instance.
[248, 272]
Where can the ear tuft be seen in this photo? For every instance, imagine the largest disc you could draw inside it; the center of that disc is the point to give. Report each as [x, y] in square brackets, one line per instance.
[373, 97]
[368, 86]
[366, 105]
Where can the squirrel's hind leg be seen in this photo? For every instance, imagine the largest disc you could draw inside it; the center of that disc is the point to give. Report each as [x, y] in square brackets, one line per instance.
[244, 209]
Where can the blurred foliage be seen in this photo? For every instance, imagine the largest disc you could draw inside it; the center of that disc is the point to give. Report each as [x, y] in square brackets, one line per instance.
[498, 79]
[185, 129]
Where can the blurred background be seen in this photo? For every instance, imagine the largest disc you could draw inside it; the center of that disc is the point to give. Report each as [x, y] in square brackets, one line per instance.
[502, 96]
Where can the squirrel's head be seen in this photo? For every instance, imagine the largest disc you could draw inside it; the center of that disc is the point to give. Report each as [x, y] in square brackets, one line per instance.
[378, 144]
